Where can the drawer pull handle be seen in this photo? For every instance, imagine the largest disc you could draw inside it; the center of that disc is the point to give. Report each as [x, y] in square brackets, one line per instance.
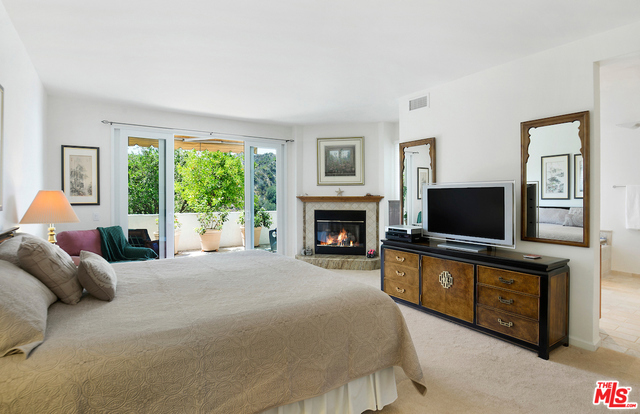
[505, 301]
[507, 324]
[505, 281]
[400, 259]
[399, 273]
[399, 290]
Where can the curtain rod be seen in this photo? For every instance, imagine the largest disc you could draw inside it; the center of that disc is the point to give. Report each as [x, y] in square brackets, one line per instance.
[211, 133]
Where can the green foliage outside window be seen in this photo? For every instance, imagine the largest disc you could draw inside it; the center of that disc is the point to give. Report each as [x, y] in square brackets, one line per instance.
[203, 181]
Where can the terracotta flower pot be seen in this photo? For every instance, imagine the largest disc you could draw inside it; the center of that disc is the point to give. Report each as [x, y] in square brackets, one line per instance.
[256, 235]
[210, 240]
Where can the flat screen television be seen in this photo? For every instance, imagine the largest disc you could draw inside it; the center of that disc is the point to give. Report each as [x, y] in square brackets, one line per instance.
[470, 216]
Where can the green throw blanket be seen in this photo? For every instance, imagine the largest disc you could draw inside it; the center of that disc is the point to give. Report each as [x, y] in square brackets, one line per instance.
[116, 248]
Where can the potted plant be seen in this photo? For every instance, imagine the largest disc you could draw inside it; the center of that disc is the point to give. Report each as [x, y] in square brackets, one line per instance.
[257, 227]
[210, 229]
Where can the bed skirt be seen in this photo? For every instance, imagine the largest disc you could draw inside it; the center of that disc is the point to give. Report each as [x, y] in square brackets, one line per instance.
[371, 392]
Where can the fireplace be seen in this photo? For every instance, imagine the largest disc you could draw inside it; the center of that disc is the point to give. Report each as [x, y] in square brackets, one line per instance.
[340, 232]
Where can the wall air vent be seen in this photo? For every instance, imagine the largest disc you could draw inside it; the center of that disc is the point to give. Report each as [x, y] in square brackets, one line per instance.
[418, 103]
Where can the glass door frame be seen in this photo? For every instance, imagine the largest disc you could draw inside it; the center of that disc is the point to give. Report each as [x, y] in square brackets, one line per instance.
[281, 151]
[120, 187]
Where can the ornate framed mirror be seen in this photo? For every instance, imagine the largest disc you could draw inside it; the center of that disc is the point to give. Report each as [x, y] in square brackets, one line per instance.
[417, 166]
[555, 180]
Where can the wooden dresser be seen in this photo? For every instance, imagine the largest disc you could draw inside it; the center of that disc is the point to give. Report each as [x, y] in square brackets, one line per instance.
[500, 293]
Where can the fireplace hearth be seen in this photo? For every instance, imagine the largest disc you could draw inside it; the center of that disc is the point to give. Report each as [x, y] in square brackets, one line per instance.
[340, 232]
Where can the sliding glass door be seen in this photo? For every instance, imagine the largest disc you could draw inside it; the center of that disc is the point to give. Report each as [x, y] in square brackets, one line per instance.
[157, 174]
[143, 188]
[264, 195]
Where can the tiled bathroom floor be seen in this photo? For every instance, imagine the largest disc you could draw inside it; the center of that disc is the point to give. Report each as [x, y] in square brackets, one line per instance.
[620, 322]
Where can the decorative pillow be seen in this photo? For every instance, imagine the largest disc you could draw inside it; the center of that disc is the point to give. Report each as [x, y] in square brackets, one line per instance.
[574, 217]
[24, 301]
[9, 248]
[52, 266]
[97, 276]
[552, 215]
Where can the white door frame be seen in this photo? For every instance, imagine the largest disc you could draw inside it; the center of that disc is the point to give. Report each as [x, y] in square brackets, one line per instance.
[120, 187]
[281, 186]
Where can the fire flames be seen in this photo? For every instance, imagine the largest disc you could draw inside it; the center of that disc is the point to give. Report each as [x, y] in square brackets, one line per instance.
[341, 239]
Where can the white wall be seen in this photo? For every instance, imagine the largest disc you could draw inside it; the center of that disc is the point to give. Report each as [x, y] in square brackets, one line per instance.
[620, 100]
[77, 121]
[380, 142]
[476, 121]
[24, 124]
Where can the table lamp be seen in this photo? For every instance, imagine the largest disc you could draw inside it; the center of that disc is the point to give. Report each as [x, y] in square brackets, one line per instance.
[50, 207]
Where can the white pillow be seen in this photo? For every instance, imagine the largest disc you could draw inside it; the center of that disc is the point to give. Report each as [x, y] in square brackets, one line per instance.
[9, 248]
[24, 301]
[552, 215]
[52, 266]
[574, 218]
[97, 276]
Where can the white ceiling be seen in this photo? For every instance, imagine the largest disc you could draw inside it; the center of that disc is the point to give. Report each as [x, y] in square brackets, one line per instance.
[289, 61]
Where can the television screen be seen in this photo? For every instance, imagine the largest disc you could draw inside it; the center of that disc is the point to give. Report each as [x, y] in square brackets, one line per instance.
[481, 213]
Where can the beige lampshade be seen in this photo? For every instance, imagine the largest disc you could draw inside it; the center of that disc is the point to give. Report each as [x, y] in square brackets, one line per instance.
[50, 207]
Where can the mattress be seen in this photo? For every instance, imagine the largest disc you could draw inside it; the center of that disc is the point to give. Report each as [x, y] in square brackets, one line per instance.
[222, 333]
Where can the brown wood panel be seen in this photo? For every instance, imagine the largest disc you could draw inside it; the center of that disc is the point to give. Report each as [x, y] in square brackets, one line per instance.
[516, 326]
[410, 260]
[558, 304]
[457, 300]
[509, 301]
[505, 279]
[402, 290]
[404, 274]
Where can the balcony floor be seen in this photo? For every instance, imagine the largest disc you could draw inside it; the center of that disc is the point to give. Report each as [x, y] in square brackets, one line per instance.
[191, 253]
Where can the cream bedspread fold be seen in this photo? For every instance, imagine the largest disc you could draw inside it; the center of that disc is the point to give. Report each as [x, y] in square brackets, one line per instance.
[222, 333]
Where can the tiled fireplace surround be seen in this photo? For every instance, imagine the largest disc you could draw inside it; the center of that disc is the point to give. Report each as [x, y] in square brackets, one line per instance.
[370, 204]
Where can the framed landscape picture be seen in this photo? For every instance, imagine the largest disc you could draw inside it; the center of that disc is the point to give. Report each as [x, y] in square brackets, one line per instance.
[578, 182]
[81, 174]
[341, 161]
[423, 178]
[555, 177]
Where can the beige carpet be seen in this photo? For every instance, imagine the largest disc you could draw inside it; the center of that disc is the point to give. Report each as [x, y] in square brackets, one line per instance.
[470, 372]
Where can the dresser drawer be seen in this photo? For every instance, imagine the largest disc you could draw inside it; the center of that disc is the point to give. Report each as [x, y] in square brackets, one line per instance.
[508, 324]
[401, 290]
[509, 301]
[505, 279]
[401, 273]
[400, 258]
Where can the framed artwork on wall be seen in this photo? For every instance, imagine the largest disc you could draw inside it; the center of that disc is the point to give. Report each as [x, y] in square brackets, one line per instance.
[578, 182]
[555, 177]
[341, 161]
[81, 174]
[423, 178]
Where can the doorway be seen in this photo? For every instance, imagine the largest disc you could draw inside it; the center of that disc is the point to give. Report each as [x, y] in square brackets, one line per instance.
[619, 146]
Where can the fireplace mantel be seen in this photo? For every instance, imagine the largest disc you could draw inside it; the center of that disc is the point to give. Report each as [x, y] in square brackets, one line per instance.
[341, 199]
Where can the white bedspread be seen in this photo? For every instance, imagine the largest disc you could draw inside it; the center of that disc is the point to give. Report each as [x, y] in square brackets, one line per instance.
[223, 333]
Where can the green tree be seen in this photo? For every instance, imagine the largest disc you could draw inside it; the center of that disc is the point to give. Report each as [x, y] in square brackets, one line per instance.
[143, 181]
[211, 181]
[265, 180]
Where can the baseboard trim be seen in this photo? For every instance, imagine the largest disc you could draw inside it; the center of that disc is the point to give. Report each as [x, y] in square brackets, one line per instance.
[589, 346]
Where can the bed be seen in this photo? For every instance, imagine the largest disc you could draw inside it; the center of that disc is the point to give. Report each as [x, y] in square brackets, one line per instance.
[236, 332]
[559, 223]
